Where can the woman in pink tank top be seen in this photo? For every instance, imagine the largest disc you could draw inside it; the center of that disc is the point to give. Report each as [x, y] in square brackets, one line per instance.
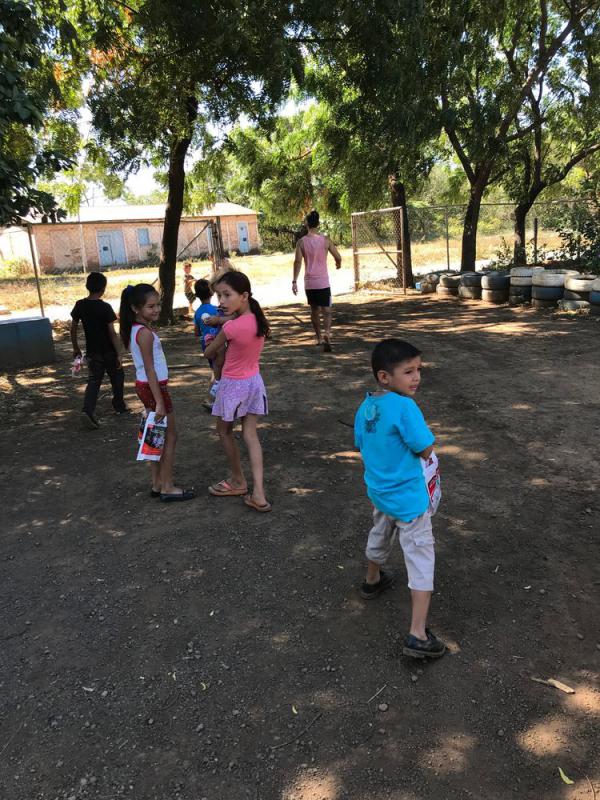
[313, 249]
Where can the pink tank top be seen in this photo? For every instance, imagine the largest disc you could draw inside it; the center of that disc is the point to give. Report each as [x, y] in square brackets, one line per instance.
[315, 247]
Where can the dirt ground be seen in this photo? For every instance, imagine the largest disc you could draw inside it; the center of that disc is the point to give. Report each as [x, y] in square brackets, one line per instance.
[202, 650]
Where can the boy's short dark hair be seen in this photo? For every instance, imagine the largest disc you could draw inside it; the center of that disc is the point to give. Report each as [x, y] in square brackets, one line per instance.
[312, 219]
[202, 290]
[391, 352]
[95, 282]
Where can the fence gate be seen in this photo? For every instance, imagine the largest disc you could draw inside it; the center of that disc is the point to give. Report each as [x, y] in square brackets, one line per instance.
[377, 238]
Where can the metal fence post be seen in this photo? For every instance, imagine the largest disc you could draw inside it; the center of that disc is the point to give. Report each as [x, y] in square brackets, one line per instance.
[355, 254]
[447, 238]
[535, 240]
[402, 248]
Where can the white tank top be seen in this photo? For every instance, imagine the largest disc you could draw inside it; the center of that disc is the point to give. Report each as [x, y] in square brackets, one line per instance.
[160, 362]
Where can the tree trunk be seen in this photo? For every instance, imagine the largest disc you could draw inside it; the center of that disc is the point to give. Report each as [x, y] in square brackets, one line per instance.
[519, 251]
[168, 253]
[469, 237]
[404, 258]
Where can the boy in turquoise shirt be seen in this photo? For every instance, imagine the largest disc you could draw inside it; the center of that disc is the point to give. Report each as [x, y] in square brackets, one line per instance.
[392, 436]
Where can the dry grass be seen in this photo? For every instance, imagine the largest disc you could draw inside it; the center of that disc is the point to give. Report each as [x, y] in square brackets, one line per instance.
[18, 294]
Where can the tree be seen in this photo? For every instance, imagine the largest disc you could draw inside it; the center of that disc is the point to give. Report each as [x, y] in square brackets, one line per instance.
[168, 71]
[486, 63]
[563, 112]
[38, 133]
[367, 62]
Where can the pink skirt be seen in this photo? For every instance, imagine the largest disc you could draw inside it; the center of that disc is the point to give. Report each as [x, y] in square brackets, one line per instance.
[237, 397]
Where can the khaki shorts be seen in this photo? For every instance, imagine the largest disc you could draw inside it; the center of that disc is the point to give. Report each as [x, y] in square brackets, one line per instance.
[416, 541]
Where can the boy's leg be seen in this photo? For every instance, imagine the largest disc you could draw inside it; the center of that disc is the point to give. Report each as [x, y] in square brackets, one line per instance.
[379, 545]
[117, 381]
[417, 542]
[96, 369]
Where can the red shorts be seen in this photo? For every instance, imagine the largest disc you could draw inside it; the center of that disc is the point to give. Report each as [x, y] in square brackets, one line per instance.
[144, 392]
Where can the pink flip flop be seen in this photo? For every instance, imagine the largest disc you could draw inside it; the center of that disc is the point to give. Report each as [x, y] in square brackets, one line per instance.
[225, 489]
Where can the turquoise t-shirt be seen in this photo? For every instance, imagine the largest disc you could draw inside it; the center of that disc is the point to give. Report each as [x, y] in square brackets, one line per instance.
[389, 431]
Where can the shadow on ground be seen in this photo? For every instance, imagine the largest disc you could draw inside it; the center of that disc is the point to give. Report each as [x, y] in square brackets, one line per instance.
[205, 651]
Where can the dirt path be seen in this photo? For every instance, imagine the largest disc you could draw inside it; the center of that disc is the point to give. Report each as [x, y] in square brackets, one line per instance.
[206, 651]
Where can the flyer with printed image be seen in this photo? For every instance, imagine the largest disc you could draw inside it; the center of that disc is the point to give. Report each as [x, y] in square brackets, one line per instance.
[153, 439]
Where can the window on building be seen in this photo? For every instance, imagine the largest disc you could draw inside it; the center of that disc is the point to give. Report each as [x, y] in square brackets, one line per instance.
[143, 235]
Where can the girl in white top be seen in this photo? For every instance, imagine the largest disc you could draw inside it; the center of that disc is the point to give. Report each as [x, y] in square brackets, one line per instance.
[140, 307]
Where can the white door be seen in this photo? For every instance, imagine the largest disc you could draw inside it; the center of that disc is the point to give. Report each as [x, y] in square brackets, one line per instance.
[111, 248]
[242, 229]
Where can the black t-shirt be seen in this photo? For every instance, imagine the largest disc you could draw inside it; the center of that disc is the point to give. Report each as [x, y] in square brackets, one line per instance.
[96, 315]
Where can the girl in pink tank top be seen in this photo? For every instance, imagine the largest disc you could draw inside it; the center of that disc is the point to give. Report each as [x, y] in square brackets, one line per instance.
[241, 393]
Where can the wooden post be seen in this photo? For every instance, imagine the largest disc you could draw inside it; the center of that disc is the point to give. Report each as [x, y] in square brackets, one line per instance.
[402, 239]
[35, 269]
[355, 254]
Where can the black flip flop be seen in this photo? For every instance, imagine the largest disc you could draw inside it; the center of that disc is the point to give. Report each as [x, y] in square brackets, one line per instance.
[154, 493]
[186, 494]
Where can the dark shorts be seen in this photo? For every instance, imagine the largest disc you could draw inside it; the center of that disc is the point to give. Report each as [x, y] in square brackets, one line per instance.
[319, 297]
[144, 392]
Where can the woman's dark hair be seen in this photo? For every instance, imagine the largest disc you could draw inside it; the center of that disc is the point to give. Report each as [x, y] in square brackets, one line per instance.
[132, 296]
[95, 282]
[391, 352]
[202, 289]
[312, 219]
[240, 284]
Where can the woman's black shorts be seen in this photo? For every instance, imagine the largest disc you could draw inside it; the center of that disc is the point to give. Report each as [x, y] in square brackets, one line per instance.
[319, 297]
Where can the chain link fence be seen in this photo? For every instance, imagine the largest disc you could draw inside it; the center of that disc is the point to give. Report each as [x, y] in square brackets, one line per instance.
[377, 246]
[554, 230]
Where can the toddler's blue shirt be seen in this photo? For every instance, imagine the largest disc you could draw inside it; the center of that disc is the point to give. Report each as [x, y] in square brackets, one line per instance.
[389, 430]
[205, 308]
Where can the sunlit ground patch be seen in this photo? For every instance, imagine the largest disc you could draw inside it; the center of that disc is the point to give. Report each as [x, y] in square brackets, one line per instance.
[313, 787]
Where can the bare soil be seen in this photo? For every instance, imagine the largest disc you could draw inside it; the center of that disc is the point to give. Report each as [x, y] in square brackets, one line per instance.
[202, 650]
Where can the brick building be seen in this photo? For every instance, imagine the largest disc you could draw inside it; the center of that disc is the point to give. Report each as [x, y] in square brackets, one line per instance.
[105, 236]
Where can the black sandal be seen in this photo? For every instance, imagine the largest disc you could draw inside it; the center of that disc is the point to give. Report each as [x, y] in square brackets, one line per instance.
[186, 494]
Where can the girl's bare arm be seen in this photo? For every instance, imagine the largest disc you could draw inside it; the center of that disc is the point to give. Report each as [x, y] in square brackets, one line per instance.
[217, 344]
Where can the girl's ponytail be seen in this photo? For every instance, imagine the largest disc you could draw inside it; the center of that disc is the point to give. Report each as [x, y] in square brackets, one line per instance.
[262, 324]
[132, 296]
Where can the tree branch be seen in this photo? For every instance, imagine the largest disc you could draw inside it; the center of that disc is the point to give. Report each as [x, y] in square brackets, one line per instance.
[454, 140]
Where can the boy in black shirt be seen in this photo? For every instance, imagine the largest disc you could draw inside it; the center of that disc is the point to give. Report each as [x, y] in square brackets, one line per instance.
[102, 347]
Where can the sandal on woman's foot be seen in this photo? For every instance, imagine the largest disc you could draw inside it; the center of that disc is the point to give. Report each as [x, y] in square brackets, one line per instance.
[225, 489]
[326, 346]
[263, 508]
[155, 493]
[184, 494]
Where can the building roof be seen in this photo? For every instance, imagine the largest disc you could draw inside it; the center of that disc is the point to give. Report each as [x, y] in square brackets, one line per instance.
[150, 213]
